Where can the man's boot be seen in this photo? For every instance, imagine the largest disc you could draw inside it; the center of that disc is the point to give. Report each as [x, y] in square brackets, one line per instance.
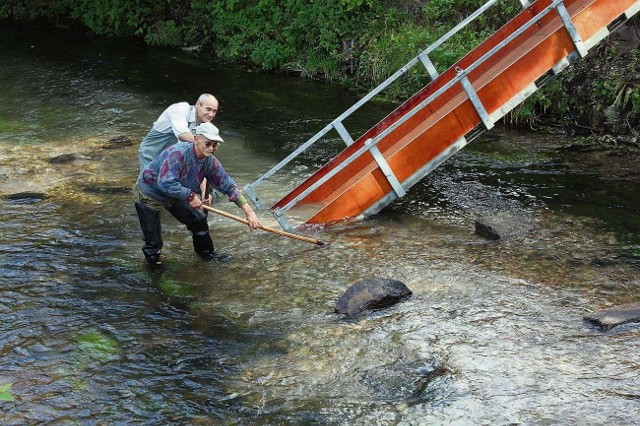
[196, 222]
[202, 243]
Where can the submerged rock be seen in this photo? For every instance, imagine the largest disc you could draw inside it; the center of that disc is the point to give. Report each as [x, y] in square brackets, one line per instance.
[606, 319]
[418, 381]
[26, 196]
[499, 228]
[99, 189]
[63, 158]
[370, 294]
[118, 142]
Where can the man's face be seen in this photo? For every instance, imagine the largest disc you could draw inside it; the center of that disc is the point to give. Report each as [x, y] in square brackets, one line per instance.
[205, 147]
[206, 110]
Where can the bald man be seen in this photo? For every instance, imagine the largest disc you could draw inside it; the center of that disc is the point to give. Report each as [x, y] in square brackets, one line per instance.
[176, 123]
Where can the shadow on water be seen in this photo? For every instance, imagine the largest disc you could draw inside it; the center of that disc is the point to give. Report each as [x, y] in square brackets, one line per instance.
[492, 335]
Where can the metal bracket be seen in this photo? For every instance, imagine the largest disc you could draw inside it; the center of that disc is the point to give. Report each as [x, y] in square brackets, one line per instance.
[473, 97]
[342, 131]
[249, 192]
[386, 170]
[571, 29]
[424, 58]
[282, 220]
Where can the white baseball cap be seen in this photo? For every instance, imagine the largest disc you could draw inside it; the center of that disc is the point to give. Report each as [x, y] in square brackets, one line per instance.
[209, 131]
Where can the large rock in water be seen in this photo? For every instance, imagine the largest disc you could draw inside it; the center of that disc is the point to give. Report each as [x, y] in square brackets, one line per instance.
[63, 158]
[372, 293]
[606, 319]
[500, 228]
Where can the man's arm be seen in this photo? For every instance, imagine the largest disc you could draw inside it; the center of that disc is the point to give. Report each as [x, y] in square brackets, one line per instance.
[178, 115]
[252, 218]
[168, 181]
[221, 181]
[186, 137]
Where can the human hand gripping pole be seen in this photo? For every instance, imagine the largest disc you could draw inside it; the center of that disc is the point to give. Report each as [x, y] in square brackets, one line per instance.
[266, 228]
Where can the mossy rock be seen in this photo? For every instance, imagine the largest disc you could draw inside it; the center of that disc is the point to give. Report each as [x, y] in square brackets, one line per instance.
[97, 346]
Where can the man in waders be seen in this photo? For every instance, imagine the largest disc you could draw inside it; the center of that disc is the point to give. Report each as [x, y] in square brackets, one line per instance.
[171, 181]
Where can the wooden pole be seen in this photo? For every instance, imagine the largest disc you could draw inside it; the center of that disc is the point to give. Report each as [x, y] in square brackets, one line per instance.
[266, 228]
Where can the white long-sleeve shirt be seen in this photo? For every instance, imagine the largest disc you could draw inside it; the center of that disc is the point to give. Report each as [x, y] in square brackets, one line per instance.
[177, 119]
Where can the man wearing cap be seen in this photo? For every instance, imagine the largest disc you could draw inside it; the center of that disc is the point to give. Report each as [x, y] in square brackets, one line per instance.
[171, 181]
[177, 123]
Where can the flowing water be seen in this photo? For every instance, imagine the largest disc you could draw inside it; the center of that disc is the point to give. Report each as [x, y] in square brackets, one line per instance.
[493, 334]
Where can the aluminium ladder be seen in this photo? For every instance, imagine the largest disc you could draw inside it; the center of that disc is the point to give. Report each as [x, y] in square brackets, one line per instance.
[449, 112]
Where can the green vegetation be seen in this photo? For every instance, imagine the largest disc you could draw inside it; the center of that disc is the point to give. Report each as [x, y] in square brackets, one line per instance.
[602, 92]
[9, 126]
[361, 40]
[4, 392]
[96, 346]
[356, 42]
[175, 289]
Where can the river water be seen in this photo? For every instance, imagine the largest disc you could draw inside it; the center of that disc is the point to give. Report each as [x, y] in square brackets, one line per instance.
[493, 334]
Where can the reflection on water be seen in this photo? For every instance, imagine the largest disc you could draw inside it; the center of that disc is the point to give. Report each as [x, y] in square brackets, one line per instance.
[493, 334]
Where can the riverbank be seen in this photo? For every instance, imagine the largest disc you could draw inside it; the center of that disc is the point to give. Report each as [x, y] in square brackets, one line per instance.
[359, 44]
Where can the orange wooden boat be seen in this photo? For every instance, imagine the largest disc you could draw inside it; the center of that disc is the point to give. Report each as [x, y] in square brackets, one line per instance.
[449, 112]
